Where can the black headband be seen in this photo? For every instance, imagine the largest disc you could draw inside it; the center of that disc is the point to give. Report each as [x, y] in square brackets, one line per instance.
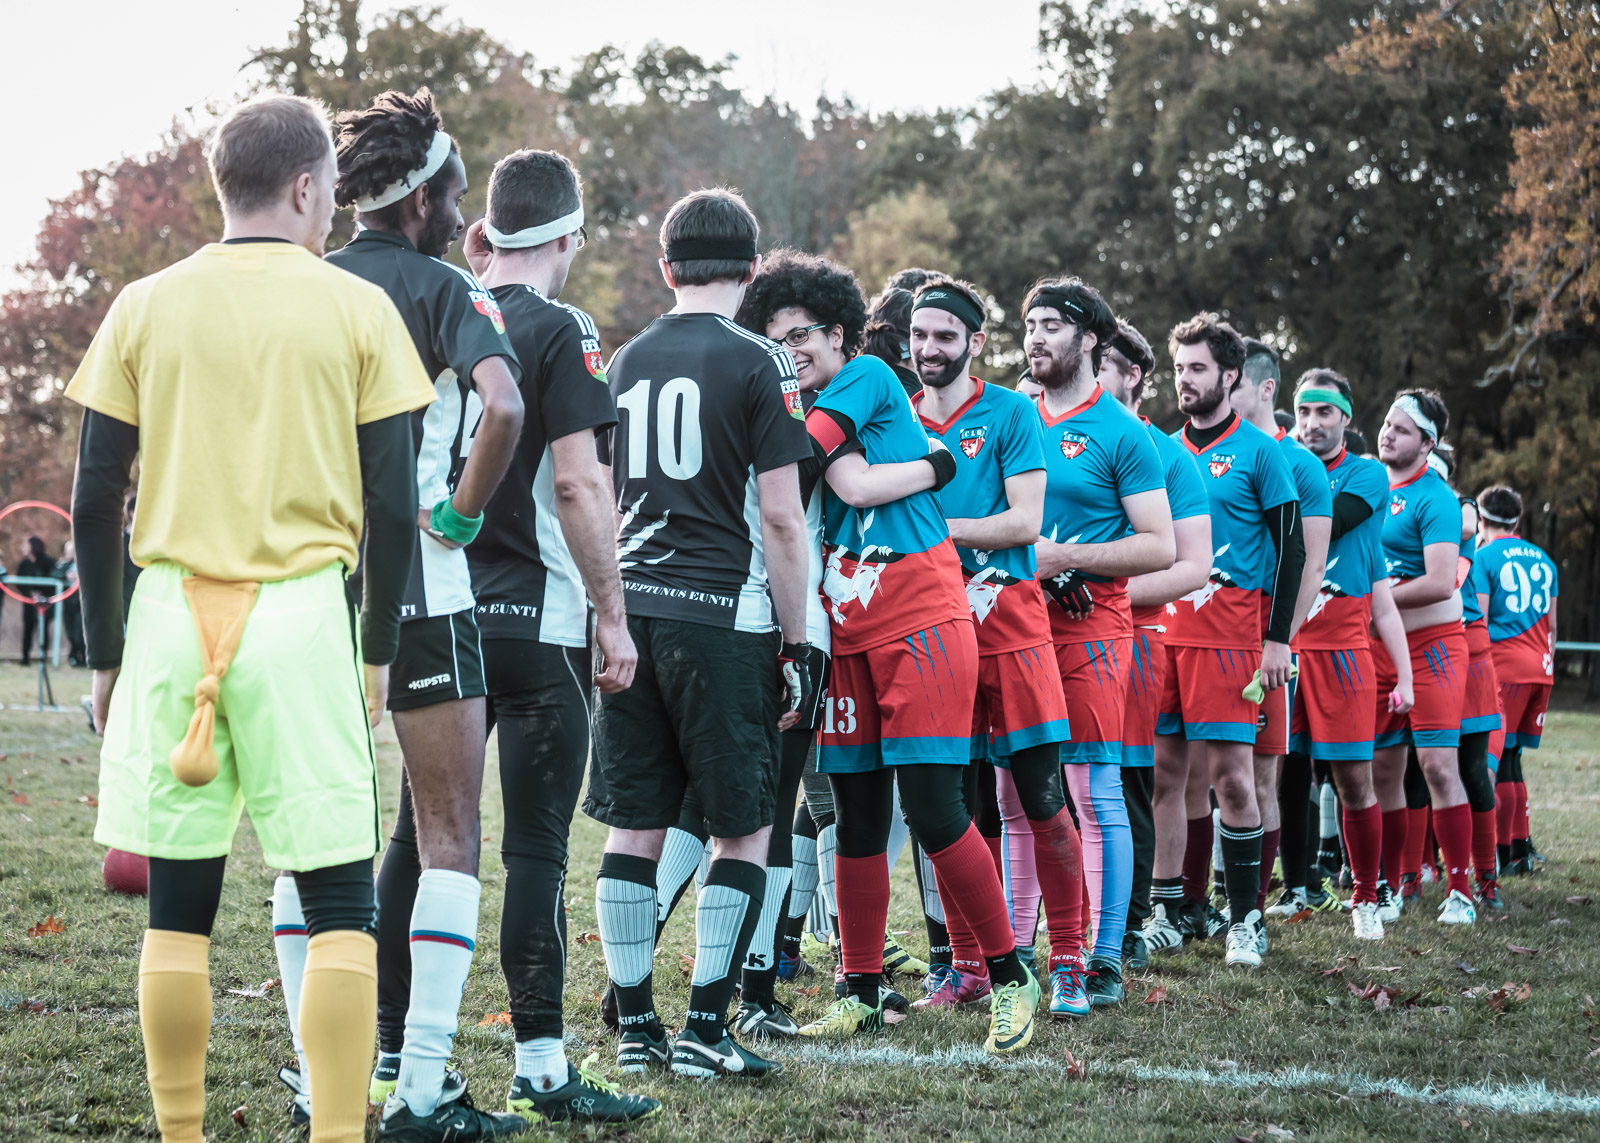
[1131, 352]
[711, 249]
[1059, 298]
[951, 302]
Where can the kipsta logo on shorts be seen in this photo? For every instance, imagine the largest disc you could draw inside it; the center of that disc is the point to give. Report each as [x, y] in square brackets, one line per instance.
[1219, 465]
[1397, 505]
[1073, 444]
[489, 308]
[972, 440]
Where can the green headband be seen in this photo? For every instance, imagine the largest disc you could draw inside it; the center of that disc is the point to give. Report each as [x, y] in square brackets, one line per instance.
[1323, 397]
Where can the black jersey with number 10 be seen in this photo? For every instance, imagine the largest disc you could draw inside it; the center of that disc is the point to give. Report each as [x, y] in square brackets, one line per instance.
[704, 406]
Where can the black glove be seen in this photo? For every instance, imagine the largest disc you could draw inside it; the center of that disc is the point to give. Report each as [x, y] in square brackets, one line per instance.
[797, 668]
[1070, 591]
[943, 461]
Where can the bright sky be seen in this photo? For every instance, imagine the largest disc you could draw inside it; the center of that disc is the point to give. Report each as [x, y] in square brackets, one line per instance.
[106, 77]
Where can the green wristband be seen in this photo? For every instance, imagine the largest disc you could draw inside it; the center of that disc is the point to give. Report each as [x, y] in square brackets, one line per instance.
[452, 525]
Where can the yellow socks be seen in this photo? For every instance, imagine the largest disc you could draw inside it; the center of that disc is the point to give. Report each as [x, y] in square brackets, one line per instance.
[338, 1025]
[175, 1015]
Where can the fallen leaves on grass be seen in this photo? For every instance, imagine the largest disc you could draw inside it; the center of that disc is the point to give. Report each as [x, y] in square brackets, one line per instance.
[259, 992]
[1521, 950]
[1336, 970]
[238, 1116]
[1076, 1068]
[1417, 952]
[1383, 996]
[893, 1016]
[49, 927]
[686, 964]
[495, 1018]
[1158, 995]
[812, 991]
[31, 1005]
[21, 799]
[1580, 900]
[586, 939]
[1302, 915]
[1506, 995]
[89, 800]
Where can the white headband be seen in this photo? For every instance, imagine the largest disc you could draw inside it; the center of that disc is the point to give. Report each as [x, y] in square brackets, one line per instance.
[1408, 405]
[438, 152]
[1437, 463]
[534, 235]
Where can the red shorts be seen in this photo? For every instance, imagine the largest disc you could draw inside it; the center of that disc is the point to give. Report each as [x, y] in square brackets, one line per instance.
[1336, 691]
[1147, 670]
[1094, 681]
[1524, 705]
[1201, 697]
[1274, 717]
[1480, 709]
[1019, 701]
[1439, 663]
[903, 703]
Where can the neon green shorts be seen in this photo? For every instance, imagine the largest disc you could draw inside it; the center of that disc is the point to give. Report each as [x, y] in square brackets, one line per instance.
[292, 740]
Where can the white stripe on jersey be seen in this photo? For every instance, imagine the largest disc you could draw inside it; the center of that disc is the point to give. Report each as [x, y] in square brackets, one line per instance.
[754, 611]
[564, 611]
[446, 579]
[774, 350]
[817, 630]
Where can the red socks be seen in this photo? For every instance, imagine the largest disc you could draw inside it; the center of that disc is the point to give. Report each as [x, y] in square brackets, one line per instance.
[1483, 854]
[861, 885]
[1058, 854]
[1521, 826]
[967, 870]
[1396, 825]
[1269, 853]
[1364, 838]
[996, 850]
[1505, 808]
[1416, 841]
[1197, 859]
[964, 955]
[1453, 828]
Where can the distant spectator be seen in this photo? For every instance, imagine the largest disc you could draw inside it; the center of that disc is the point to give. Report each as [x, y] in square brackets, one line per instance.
[35, 562]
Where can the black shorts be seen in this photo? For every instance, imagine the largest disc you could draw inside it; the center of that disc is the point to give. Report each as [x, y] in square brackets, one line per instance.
[440, 660]
[702, 710]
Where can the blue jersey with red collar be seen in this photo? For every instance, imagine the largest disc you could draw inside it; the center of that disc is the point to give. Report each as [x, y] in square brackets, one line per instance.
[1522, 585]
[994, 435]
[1342, 612]
[1473, 584]
[1422, 511]
[891, 570]
[1095, 454]
[1245, 474]
[1186, 496]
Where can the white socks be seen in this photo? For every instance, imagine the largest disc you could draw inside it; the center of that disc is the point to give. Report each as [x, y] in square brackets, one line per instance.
[289, 938]
[543, 1062]
[444, 929]
[762, 955]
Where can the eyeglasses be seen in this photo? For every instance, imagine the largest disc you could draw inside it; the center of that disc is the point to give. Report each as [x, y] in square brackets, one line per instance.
[798, 337]
[583, 237]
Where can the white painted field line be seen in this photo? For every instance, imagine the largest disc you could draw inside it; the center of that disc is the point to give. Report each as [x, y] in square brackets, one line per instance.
[1518, 1099]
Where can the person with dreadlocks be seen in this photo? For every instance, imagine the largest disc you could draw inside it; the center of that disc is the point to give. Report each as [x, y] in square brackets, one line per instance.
[269, 399]
[404, 176]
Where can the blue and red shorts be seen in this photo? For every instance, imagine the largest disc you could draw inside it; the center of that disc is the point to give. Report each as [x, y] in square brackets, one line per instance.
[903, 703]
[1094, 679]
[1480, 709]
[1202, 697]
[1147, 670]
[1333, 702]
[1524, 705]
[1439, 664]
[1274, 716]
[1019, 702]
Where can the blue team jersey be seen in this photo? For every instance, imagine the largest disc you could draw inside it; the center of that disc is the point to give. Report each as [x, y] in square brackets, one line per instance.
[891, 570]
[1095, 454]
[1245, 474]
[1470, 574]
[993, 436]
[1522, 585]
[1422, 511]
[1186, 496]
[1310, 476]
[1340, 615]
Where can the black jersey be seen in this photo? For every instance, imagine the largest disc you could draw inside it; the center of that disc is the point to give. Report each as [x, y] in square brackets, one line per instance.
[704, 406]
[454, 323]
[523, 574]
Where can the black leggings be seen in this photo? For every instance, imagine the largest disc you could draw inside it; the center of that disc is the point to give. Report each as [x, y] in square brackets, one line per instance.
[539, 702]
[1472, 759]
[1510, 765]
[185, 895]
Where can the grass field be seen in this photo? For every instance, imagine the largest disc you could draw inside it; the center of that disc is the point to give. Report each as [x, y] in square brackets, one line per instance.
[1287, 1049]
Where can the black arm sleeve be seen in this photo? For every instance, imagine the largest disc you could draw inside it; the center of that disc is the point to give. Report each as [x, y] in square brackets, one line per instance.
[1288, 537]
[389, 484]
[106, 448]
[1349, 512]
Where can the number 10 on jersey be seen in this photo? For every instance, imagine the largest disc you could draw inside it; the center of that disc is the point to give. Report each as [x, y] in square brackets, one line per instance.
[677, 428]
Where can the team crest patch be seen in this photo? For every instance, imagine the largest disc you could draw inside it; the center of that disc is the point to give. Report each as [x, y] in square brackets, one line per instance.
[1073, 444]
[489, 308]
[591, 359]
[1397, 505]
[972, 440]
[791, 398]
[1219, 466]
